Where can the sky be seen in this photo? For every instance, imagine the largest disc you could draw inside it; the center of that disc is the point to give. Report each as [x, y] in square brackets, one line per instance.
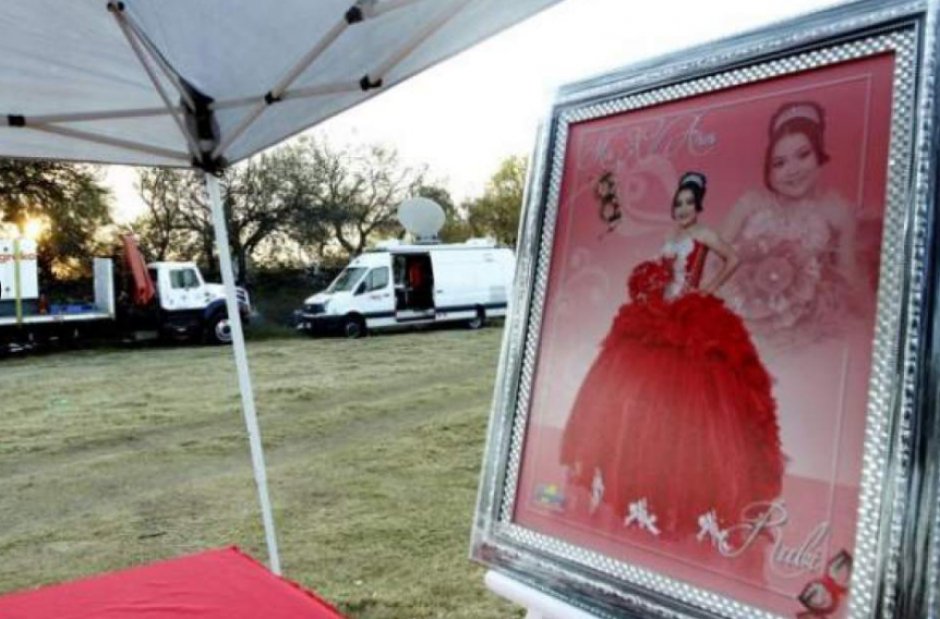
[464, 116]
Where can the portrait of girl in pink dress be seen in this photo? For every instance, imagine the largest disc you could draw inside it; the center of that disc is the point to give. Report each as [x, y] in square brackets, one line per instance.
[799, 243]
[676, 418]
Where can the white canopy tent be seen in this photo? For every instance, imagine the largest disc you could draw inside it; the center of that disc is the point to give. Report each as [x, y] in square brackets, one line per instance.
[206, 83]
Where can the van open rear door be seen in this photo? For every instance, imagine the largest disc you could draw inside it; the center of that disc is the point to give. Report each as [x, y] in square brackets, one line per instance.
[414, 287]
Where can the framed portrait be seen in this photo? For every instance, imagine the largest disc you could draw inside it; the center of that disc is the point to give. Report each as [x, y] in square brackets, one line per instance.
[716, 394]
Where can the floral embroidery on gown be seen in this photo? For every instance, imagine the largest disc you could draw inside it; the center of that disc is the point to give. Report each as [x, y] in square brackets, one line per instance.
[790, 288]
[677, 409]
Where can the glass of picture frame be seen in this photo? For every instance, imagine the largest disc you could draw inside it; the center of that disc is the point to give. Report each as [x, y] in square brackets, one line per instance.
[716, 393]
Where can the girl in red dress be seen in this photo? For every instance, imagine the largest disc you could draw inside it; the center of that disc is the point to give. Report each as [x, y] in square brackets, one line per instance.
[676, 424]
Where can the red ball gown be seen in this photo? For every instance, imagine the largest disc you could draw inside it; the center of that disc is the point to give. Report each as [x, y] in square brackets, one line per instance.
[677, 410]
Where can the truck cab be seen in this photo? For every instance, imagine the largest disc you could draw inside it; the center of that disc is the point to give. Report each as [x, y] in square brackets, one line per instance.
[187, 307]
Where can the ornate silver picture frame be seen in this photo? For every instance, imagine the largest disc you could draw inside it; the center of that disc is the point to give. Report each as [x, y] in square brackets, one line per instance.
[717, 391]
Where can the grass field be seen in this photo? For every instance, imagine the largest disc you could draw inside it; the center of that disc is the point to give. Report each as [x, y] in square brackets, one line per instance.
[110, 459]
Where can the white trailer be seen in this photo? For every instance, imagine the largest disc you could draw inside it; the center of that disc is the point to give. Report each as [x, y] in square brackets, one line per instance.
[20, 297]
[395, 285]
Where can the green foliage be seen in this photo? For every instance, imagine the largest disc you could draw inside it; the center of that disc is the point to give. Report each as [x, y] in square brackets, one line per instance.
[352, 196]
[278, 291]
[456, 229]
[328, 203]
[165, 231]
[258, 197]
[496, 212]
[69, 199]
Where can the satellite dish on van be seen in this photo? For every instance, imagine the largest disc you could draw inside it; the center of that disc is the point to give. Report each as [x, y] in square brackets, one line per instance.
[422, 217]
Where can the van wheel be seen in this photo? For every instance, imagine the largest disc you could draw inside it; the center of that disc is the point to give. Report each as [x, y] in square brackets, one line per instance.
[478, 321]
[354, 327]
[219, 330]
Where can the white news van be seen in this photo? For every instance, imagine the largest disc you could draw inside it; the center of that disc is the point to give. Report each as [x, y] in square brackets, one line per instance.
[395, 285]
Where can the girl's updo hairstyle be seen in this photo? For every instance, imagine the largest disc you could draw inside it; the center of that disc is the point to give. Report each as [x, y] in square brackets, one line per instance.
[694, 182]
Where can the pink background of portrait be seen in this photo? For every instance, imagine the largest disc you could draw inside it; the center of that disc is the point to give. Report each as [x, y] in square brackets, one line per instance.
[821, 388]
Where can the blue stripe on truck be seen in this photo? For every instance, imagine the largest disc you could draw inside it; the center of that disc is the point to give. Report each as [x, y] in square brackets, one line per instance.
[442, 310]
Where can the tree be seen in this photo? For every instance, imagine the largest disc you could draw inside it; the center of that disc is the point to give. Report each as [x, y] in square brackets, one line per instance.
[327, 201]
[257, 197]
[496, 212]
[69, 199]
[455, 229]
[260, 197]
[350, 195]
[163, 231]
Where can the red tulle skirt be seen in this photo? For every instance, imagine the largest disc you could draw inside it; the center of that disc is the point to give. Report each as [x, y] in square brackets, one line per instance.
[678, 410]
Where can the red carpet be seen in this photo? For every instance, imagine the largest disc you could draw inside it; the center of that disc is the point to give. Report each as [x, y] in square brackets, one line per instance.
[220, 584]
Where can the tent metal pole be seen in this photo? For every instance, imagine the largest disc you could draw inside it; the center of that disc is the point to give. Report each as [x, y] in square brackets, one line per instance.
[282, 84]
[244, 375]
[48, 119]
[109, 141]
[310, 57]
[420, 37]
[366, 10]
[337, 88]
[164, 66]
[132, 39]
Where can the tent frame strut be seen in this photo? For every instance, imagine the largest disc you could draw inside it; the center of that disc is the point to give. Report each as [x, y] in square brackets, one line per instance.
[361, 11]
[375, 78]
[320, 90]
[143, 112]
[134, 40]
[110, 141]
[18, 121]
[337, 88]
[356, 14]
[120, 11]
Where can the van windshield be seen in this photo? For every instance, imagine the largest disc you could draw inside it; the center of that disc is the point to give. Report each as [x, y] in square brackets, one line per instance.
[346, 280]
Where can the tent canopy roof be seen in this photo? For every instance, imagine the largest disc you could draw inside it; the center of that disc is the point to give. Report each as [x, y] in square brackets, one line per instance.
[209, 82]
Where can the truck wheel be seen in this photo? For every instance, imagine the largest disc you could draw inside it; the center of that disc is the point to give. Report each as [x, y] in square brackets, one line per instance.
[219, 330]
[354, 327]
[478, 321]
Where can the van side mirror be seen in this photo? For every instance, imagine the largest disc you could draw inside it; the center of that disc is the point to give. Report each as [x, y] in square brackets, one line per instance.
[361, 288]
